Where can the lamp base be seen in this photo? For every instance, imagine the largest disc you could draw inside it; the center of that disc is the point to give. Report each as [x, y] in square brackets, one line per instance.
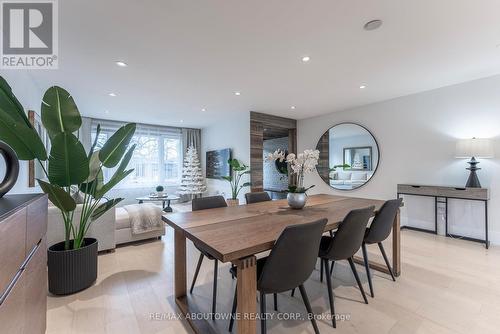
[473, 180]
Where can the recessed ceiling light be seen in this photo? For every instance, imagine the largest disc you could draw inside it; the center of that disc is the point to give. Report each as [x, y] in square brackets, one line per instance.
[292, 107]
[362, 87]
[121, 63]
[305, 59]
[106, 111]
[237, 93]
[203, 109]
[112, 94]
[372, 25]
[182, 121]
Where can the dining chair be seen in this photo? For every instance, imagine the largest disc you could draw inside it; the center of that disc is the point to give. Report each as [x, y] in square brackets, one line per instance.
[257, 197]
[288, 266]
[342, 246]
[378, 231]
[204, 203]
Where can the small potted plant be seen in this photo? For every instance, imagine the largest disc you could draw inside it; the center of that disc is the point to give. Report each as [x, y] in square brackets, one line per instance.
[159, 191]
[299, 165]
[238, 171]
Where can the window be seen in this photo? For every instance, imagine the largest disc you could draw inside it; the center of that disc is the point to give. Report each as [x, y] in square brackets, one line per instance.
[157, 158]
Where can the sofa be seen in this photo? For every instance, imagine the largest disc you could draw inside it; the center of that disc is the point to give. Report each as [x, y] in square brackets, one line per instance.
[349, 178]
[111, 229]
[103, 229]
[123, 230]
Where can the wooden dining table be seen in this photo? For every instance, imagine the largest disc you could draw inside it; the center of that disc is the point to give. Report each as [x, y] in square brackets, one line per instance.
[236, 234]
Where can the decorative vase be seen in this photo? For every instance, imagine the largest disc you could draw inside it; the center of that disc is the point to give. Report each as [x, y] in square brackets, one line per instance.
[72, 270]
[11, 168]
[296, 200]
[232, 202]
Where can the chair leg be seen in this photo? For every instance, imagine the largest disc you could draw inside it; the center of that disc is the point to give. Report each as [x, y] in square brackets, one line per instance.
[263, 328]
[331, 268]
[275, 295]
[198, 266]
[293, 292]
[308, 307]
[355, 272]
[214, 296]
[232, 266]
[330, 294]
[367, 267]
[233, 312]
[321, 274]
[386, 260]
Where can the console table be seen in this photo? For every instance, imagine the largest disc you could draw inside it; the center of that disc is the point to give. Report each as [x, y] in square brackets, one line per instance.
[441, 195]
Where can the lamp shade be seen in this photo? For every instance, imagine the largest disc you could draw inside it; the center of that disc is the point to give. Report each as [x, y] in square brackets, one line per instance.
[475, 147]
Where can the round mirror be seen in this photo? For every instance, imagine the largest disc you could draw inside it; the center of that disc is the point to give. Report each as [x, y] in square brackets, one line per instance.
[349, 156]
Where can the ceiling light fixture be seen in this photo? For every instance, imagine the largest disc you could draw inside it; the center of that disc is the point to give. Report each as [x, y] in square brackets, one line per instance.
[182, 121]
[112, 94]
[106, 111]
[372, 25]
[292, 107]
[237, 93]
[362, 87]
[305, 59]
[203, 109]
[121, 63]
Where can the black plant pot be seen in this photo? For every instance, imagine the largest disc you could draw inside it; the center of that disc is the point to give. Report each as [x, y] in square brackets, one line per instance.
[72, 270]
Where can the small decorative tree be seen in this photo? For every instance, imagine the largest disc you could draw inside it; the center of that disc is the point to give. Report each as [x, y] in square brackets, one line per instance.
[192, 182]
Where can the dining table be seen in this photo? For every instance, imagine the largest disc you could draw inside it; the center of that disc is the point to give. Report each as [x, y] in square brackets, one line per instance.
[237, 234]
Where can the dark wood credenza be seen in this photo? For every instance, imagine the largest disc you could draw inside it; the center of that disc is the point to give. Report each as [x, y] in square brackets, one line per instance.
[23, 263]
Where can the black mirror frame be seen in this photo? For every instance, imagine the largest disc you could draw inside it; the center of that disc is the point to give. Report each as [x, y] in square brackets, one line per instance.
[376, 144]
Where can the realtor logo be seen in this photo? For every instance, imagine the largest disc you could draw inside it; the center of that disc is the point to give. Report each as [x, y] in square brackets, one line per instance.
[29, 34]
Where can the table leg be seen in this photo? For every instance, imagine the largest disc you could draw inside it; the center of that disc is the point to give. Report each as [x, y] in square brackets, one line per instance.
[140, 202]
[179, 264]
[396, 244]
[167, 208]
[247, 295]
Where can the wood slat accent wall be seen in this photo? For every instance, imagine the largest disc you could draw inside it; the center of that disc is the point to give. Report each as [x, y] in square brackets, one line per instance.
[324, 159]
[259, 121]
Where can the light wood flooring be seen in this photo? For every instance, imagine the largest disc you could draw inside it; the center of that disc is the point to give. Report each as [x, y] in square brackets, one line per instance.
[447, 286]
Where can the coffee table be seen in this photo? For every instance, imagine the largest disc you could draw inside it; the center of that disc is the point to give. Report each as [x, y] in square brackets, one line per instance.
[165, 200]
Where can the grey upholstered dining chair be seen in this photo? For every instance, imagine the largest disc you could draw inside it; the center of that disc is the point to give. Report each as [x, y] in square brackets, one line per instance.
[257, 197]
[288, 266]
[203, 204]
[342, 246]
[378, 231]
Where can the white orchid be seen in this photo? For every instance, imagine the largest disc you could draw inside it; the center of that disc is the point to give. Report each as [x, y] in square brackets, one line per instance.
[300, 165]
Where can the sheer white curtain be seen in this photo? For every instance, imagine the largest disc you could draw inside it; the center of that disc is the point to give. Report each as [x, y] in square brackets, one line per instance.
[157, 159]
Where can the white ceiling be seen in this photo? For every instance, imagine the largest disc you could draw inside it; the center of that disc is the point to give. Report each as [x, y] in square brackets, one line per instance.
[186, 55]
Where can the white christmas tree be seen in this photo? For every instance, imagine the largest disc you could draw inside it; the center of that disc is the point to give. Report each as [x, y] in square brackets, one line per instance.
[192, 182]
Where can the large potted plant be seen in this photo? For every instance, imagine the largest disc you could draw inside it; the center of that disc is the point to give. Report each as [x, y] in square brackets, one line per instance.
[238, 171]
[299, 165]
[72, 263]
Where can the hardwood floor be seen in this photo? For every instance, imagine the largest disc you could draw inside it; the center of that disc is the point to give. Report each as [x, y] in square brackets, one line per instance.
[447, 286]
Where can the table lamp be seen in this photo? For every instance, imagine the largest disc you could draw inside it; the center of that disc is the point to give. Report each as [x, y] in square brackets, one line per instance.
[474, 148]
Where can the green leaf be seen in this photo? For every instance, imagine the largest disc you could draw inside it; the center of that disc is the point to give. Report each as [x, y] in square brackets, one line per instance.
[58, 196]
[103, 208]
[23, 139]
[126, 159]
[112, 152]
[246, 184]
[228, 178]
[94, 144]
[117, 178]
[59, 112]
[93, 186]
[68, 162]
[94, 167]
[11, 105]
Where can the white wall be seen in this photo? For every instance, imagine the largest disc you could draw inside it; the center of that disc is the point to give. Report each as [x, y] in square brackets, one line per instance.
[30, 96]
[417, 136]
[231, 131]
